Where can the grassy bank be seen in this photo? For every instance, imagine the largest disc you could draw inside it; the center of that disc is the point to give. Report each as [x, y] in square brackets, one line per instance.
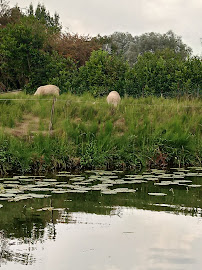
[88, 133]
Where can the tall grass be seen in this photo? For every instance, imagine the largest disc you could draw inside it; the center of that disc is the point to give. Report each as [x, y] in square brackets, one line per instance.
[88, 133]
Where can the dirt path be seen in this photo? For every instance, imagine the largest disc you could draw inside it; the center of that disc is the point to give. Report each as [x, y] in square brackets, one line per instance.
[29, 125]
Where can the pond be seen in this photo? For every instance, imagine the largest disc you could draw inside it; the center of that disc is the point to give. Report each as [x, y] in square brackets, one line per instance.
[102, 220]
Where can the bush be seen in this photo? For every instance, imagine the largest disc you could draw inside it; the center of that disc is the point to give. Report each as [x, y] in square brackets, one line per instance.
[102, 74]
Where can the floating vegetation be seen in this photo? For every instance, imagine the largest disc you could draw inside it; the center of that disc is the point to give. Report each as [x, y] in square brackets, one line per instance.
[192, 174]
[109, 191]
[105, 182]
[78, 178]
[152, 179]
[67, 175]
[157, 194]
[184, 181]
[167, 183]
[50, 180]
[7, 195]
[45, 209]
[195, 186]
[124, 190]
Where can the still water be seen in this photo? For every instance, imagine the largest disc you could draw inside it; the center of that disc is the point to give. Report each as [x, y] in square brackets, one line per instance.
[107, 224]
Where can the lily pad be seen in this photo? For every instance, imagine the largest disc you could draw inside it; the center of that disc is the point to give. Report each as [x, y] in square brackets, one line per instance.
[178, 177]
[157, 194]
[184, 181]
[59, 191]
[124, 190]
[167, 183]
[13, 191]
[192, 174]
[7, 195]
[45, 209]
[152, 179]
[108, 191]
[50, 180]
[195, 186]
[20, 197]
[138, 181]
[77, 178]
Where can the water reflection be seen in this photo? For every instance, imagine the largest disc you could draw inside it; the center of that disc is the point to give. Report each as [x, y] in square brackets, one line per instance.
[95, 230]
[129, 238]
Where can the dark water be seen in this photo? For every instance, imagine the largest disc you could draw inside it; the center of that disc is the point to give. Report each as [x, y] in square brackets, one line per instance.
[96, 230]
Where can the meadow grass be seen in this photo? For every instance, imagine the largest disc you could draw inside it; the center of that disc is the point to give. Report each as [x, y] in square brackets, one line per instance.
[89, 133]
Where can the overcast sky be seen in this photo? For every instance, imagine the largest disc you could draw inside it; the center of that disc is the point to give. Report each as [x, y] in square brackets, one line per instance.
[104, 17]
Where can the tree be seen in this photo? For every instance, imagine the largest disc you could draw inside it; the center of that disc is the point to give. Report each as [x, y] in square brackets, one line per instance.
[43, 15]
[130, 47]
[7, 14]
[165, 73]
[102, 74]
[78, 48]
[26, 58]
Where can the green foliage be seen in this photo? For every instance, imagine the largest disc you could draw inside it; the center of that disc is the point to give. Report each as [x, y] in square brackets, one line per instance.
[165, 73]
[20, 45]
[51, 69]
[87, 133]
[43, 15]
[131, 47]
[7, 14]
[34, 52]
[25, 60]
[102, 74]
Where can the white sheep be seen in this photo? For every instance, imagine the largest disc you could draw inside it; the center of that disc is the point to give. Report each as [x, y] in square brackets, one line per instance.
[113, 98]
[48, 89]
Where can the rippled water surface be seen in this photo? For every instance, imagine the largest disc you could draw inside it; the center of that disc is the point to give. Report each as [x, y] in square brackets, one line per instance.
[102, 220]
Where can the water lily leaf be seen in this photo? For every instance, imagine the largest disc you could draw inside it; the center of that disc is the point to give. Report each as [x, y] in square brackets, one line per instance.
[49, 180]
[192, 174]
[38, 196]
[137, 182]
[77, 178]
[184, 181]
[167, 183]
[157, 194]
[45, 209]
[124, 190]
[76, 191]
[194, 186]
[59, 191]
[151, 179]
[178, 177]
[7, 195]
[42, 189]
[108, 191]
[13, 191]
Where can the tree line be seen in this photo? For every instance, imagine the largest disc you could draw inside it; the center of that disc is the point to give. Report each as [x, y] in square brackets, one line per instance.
[35, 51]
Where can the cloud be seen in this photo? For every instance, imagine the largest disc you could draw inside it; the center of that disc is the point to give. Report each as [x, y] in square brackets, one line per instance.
[137, 17]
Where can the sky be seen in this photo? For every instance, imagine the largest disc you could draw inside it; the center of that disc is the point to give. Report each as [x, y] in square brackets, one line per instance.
[93, 17]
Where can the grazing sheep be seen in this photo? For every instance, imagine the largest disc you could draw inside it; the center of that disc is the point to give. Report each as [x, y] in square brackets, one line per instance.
[113, 98]
[48, 89]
